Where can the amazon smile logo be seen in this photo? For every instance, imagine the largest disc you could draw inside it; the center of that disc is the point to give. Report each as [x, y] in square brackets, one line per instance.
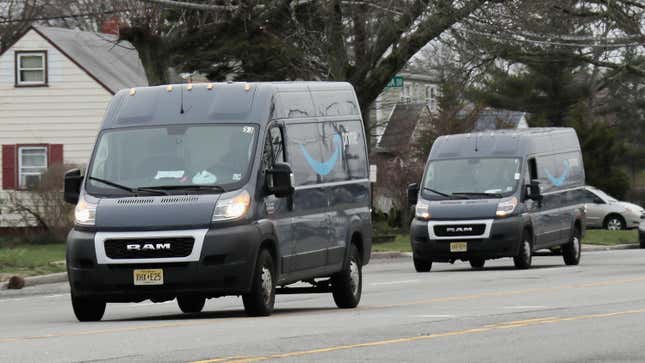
[559, 181]
[323, 168]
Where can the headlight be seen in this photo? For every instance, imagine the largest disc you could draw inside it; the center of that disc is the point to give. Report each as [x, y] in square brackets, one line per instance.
[232, 207]
[506, 206]
[422, 210]
[85, 213]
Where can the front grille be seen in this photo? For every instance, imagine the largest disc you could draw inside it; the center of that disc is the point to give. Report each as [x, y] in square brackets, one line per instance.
[149, 248]
[454, 230]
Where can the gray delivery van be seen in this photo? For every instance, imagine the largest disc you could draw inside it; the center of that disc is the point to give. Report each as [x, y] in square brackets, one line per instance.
[206, 190]
[499, 194]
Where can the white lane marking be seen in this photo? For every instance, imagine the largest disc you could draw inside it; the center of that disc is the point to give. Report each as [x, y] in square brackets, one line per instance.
[394, 282]
[526, 307]
[13, 299]
[53, 296]
[435, 316]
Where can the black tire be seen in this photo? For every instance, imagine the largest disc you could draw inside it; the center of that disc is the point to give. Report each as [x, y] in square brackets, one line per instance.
[191, 304]
[347, 285]
[88, 310]
[260, 300]
[571, 251]
[525, 256]
[614, 222]
[421, 265]
[477, 262]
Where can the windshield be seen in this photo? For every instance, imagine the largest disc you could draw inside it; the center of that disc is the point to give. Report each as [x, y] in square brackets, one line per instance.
[174, 157]
[472, 178]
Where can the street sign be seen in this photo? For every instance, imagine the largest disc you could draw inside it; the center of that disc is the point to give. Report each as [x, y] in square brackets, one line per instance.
[395, 82]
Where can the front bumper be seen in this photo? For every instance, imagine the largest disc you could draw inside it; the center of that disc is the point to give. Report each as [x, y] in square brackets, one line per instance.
[503, 241]
[224, 267]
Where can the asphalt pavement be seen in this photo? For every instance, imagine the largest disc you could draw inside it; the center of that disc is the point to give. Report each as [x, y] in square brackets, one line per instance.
[551, 313]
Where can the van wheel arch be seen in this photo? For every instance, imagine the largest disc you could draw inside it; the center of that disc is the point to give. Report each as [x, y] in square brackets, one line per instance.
[270, 245]
[356, 239]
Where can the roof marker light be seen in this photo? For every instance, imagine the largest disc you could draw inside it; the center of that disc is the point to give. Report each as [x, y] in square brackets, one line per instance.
[133, 91]
[247, 87]
[169, 88]
[209, 86]
[189, 87]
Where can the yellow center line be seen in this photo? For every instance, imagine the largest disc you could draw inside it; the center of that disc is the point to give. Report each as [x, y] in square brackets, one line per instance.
[487, 328]
[363, 308]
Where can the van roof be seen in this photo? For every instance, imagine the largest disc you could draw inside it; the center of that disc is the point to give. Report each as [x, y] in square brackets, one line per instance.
[508, 142]
[229, 102]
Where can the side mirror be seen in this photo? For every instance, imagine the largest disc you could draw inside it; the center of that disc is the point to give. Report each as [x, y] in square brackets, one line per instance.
[280, 180]
[533, 191]
[413, 193]
[73, 181]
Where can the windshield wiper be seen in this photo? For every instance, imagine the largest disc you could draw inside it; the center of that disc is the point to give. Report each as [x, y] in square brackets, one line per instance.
[127, 188]
[496, 195]
[438, 192]
[190, 187]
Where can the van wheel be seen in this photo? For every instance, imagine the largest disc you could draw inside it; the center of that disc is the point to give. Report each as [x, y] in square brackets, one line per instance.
[191, 304]
[571, 250]
[614, 222]
[421, 265]
[525, 256]
[88, 310]
[477, 262]
[261, 299]
[347, 285]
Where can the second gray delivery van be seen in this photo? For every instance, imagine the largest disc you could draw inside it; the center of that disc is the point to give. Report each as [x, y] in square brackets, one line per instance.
[499, 194]
[206, 190]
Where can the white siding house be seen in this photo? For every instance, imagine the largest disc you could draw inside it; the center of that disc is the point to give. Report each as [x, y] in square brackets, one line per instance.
[55, 85]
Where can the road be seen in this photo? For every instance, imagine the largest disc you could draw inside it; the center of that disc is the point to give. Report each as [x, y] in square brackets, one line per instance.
[551, 313]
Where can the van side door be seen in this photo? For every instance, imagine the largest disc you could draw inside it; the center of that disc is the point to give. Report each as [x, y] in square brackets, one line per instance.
[277, 209]
[348, 185]
[538, 210]
[311, 223]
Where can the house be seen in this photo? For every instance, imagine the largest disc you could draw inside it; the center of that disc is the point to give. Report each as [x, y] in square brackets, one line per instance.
[55, 85]
[404, 88]
[493, 119]
[398, 156]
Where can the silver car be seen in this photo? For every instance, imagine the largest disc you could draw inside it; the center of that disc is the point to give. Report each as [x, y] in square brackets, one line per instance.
[604, 211]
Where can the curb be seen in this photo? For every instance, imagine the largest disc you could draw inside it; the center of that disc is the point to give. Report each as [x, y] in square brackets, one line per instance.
[43, 279]
[627, 246]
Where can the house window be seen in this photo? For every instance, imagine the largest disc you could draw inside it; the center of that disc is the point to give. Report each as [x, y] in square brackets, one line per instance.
[31, 68]
[32, 163]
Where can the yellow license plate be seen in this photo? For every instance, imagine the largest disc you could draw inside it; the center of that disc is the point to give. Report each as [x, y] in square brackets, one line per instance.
[148, 277]
[458, 246]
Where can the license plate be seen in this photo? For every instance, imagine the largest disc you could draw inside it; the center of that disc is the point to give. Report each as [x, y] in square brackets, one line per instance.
[458, 246]
[148, 277]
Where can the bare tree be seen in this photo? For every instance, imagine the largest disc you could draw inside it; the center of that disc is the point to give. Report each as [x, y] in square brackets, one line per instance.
[43, 207]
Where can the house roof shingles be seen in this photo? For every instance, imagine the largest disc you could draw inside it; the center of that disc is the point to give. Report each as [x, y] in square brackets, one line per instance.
[401, 125]
[116, 65]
